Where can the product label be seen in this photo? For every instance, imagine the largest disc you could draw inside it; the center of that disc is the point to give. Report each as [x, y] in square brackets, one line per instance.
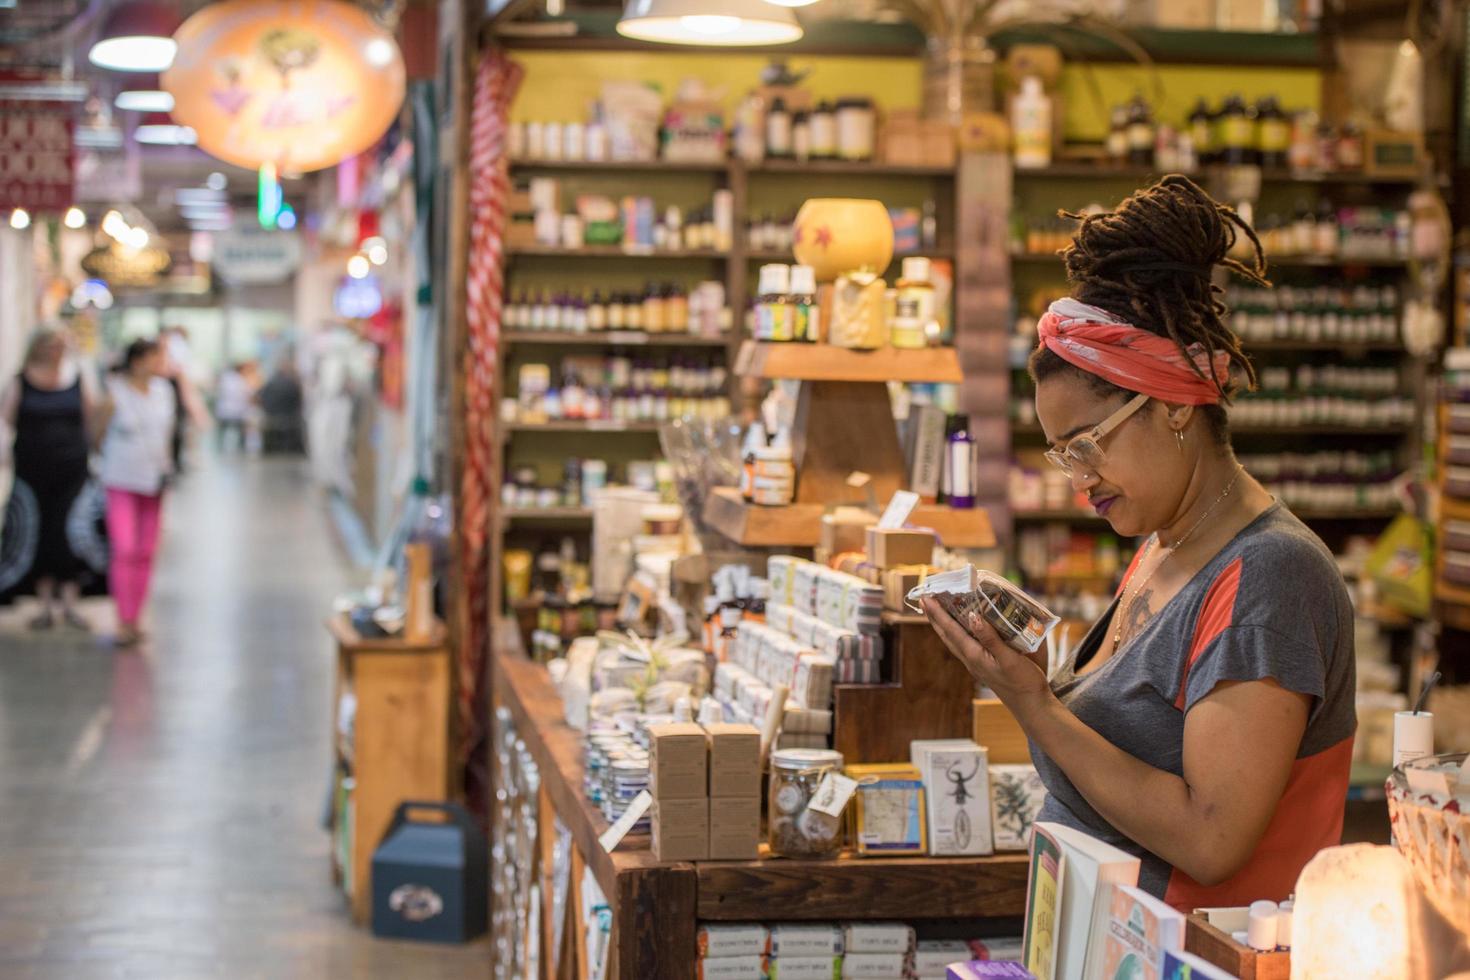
[1273, 136]
[1235, 131]
[832, 794]
[614, 835]
[1140, 136]
[782, 327]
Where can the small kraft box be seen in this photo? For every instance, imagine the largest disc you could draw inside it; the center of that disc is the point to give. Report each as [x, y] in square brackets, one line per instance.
[678, 762]
[735, 828]
[891, 547]
[681, 830]
[430, 880]
[734, 761]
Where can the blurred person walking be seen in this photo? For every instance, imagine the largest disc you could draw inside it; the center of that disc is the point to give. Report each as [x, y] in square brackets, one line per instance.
[232, 403]
[189, 410]
[281, 403]
[49, 407]
[137, 462]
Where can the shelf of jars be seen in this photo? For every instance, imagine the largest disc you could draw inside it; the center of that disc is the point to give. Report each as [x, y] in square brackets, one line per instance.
[612, 338]
[1103, 169]
[613, 252]
[771, 165]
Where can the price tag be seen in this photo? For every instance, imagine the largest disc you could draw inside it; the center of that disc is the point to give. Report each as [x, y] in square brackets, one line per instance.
[627, 337]
[832, 794]
[899, 509]
[613, 836]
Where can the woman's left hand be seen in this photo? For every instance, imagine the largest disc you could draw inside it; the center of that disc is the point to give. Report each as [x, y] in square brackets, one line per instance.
[1014, 677]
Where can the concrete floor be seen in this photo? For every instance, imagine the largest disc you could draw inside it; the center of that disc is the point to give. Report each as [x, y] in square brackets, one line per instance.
[159, 810]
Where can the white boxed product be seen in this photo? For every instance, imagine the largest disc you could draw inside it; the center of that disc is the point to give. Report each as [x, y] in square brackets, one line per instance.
[956, 778]
[831, 585]
[811, 685]
[804, 628]
[732, 968]
[803, 967]
[778, 572]
[721, 940]
[873, 966]
[797, 941]
[1016, 795]
[878, 937]
[804, 586]
[933, 956]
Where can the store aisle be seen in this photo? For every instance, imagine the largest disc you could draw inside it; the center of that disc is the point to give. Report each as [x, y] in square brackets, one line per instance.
[160, 809]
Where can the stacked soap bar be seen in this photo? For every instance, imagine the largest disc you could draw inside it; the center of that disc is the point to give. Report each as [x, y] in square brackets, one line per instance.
[832, 612]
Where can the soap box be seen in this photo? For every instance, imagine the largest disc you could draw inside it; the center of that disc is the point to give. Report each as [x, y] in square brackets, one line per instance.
[681, 830]
[721, 940]
[873, 966]
[735, 828]
[804, 968]
[878, 937]
[933, 956]
[796, 941]
[732, 968]
[678, 761]
[956, 778]
[734, 760]
[890, 547]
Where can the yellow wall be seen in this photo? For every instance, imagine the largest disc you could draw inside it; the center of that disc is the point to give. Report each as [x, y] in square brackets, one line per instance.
[560, 85]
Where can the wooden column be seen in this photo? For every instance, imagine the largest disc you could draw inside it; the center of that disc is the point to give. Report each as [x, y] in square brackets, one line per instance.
[982, 322]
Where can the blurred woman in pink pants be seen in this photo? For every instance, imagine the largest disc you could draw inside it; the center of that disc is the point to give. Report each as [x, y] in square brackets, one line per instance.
[137, 461]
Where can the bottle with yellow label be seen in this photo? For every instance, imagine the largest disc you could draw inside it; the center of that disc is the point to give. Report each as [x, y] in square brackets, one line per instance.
[915, 304]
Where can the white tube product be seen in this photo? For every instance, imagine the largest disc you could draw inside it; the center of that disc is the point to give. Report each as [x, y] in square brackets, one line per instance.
[1261, 932]
[1413, 736]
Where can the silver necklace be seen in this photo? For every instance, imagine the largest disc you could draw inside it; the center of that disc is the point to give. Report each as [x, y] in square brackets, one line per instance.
[1127, 604]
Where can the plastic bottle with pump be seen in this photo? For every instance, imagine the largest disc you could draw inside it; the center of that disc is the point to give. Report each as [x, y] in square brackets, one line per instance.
[1031, 125]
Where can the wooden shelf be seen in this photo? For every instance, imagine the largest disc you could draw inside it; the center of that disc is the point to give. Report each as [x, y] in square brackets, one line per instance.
[854, 167]
[823, 362]
[613, 252]
[1031, 429]
[1102, 169]
[624, 166]
[1272, 261]
[530, 515]
[1341, 346]
[799, 525]
[613, 338]
[938, 252]
[580, 425]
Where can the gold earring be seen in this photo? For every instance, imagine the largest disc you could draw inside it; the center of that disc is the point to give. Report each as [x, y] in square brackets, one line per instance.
[1179, 434]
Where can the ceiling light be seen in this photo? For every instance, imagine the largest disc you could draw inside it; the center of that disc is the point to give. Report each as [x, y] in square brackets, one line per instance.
[217, 181]
[378, 254]
[144, 100]
[730, 23]
[157, 129]
[20, 219]
[137, 36]
[75, 218]
[137, 237]
[357, 267]
[379, 52]
[286, 220]
[115, 225]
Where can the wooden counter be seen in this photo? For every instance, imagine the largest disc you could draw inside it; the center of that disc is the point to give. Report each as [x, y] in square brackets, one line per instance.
[656, 907]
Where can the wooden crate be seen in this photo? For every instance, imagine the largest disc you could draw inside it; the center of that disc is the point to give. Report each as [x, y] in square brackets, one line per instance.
[1214, 945]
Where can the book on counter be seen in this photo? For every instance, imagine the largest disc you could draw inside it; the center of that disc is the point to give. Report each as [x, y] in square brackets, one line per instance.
[989, 970]
[1179, 965]
[1140, 930]
[1044, 880]
[1082, 924]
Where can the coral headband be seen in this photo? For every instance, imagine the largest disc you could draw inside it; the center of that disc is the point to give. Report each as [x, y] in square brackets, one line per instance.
[1101, 344]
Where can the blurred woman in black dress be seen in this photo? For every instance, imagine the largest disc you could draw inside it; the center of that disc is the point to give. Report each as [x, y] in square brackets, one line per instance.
[49, 407]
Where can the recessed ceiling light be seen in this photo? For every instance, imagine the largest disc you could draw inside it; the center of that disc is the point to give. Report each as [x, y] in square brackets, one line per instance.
[144, 100]
[137, 36]
[217, 181]
[731, 23]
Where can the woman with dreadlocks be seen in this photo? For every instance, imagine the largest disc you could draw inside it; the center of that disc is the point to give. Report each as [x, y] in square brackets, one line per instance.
[1206, 724]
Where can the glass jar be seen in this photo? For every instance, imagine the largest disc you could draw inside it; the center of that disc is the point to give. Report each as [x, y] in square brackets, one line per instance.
[857, 129]
[795, 830]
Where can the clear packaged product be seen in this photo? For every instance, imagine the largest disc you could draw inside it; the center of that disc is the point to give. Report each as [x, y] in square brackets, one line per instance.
[969, 592]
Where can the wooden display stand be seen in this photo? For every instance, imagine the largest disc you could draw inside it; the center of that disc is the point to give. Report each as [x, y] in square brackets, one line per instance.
[400, 735]
[844, 423]
[656, 907]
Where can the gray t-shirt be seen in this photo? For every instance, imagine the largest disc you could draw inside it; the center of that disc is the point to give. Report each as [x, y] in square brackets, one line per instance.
[1271, 604]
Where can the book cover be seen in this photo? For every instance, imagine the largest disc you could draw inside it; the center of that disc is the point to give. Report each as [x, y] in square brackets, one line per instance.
[1044, 882]
[1141, 929]
[889, 816]
[1016, 796]
[1179, 965]
[1092, 866]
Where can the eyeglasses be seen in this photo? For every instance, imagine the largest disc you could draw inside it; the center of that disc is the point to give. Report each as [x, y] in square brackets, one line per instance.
[1085, 449]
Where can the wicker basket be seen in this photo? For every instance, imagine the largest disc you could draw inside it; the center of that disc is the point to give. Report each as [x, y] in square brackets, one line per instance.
[1434, 837]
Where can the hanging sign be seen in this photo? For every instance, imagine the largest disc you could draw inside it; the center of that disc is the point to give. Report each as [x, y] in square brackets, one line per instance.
[37, 156]
[245, 255]
[301, 84]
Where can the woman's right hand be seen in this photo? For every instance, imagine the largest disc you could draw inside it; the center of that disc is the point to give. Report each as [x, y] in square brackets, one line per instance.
[1015, 678]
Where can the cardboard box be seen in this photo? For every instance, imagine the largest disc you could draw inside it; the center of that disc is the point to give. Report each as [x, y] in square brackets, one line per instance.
[957, 785]
[844, 529]
[734, 760]
[681, 830]
[1001, 735]
[899, 582]
[889, 548]
[678, 762]
[735, 828]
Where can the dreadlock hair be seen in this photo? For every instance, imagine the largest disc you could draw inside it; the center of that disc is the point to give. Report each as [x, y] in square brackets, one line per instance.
[1149, 262]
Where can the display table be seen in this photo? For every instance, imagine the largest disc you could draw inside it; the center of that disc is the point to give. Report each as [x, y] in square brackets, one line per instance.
[399, 744]
[655, 907]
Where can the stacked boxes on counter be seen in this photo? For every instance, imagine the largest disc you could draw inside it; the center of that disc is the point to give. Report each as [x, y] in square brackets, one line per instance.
[852, 951]
[705, 784]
